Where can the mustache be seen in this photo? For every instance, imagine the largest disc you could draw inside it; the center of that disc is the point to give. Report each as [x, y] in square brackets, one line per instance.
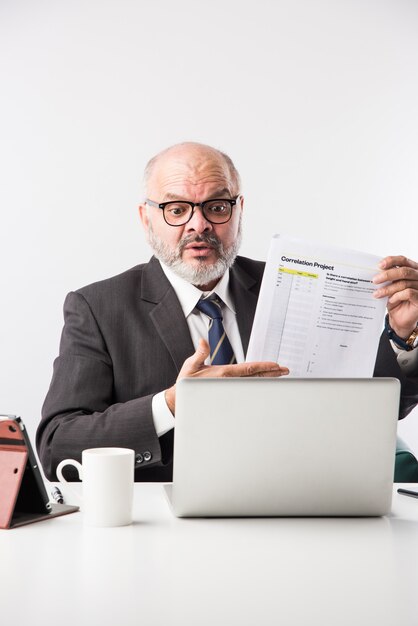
[211, 240]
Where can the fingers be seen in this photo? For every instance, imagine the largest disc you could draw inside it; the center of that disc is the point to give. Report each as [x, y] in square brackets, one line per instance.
[401, 277]
[404, 295]
[197, 360]
[400, 272]
[265, 369]
[202, 351]
[397, 261]
[409, 286]
[195, 367]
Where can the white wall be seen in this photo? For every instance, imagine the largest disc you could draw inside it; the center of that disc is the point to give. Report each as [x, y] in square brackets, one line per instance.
[315, 101]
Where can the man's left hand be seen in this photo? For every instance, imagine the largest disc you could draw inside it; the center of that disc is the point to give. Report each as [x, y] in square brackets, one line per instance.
[402, 292]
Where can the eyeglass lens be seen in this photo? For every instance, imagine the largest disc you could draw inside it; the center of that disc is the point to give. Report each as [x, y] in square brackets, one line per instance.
[215, 211]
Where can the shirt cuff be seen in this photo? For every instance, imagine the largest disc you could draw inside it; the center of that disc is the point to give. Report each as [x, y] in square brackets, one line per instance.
[407, 359]
[161, 414]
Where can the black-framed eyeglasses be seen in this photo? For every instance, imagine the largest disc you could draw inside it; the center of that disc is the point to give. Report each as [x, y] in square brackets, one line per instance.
[179, 212]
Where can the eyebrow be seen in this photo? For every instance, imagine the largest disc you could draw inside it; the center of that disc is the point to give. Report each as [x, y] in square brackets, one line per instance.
[219, 193]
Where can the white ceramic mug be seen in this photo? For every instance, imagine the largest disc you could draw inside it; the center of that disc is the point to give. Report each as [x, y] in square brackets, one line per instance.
[108, 484]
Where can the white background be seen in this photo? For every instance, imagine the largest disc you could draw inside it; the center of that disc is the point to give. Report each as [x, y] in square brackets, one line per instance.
[316, 102]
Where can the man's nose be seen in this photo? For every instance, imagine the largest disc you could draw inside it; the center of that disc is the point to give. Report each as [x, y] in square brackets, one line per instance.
[198, 222]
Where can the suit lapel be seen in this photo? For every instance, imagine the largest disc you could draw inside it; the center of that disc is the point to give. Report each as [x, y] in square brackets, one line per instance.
[167, 315]
[244, 290]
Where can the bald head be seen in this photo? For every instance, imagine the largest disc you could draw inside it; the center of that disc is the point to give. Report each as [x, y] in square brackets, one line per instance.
[200, 250]
[192, 162]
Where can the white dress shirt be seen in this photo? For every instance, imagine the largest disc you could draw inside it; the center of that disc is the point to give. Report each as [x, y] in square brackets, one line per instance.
[407, 359]
[198, 324]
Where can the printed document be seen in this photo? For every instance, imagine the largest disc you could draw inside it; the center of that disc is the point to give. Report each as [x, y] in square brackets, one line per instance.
[316, 313]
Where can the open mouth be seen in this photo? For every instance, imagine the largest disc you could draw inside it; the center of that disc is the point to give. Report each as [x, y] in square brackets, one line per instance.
[199, 250]
[198, 246]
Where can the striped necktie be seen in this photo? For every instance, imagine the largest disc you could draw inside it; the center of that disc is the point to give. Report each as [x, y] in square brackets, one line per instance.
[221, 351]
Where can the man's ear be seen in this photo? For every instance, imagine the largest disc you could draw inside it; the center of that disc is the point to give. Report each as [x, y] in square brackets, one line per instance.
[143, 214]
[242, 203]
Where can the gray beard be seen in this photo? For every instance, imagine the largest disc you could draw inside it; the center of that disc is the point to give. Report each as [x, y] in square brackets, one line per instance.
[199, 274]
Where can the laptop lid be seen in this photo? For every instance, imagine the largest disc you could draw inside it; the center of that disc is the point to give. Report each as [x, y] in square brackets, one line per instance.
[287, 446]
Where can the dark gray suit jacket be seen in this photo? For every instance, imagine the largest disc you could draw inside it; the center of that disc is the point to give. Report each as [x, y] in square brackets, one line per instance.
[124, 340]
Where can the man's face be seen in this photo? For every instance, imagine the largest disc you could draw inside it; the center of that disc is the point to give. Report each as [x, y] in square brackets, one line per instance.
[198, 251]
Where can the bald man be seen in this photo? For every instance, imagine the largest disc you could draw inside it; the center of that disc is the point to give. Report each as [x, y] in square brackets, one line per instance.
[127, 340]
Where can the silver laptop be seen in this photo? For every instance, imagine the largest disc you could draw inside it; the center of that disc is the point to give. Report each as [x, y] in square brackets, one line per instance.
[284, 447]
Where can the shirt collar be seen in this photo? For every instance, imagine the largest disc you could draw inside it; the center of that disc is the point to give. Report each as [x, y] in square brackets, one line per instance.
[189, 295]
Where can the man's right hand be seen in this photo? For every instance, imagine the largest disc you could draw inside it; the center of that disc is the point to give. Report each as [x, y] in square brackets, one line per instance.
[194, 367]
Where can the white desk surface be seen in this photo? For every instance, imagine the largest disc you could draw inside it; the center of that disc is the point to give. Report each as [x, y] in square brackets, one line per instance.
[167, 571]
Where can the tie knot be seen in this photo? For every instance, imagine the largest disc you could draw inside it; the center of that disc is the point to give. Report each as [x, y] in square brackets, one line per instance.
[210, 307]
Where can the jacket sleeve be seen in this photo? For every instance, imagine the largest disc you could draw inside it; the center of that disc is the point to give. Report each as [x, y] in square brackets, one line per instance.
[387, 365]
[79, 411]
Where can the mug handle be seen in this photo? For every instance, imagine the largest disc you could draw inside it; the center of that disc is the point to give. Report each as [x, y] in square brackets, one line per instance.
[61, 478]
